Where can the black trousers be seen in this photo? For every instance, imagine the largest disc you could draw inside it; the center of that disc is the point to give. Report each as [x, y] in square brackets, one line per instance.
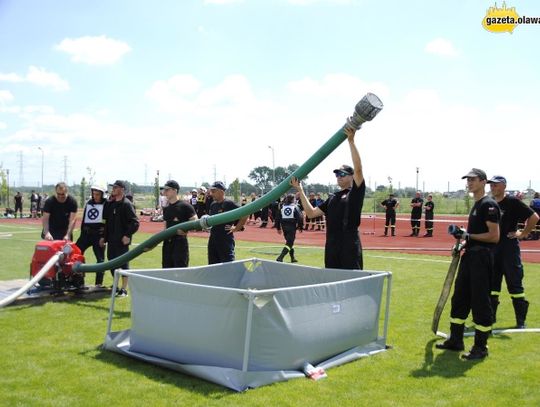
[89, 239]
[116, 249]
[429, 223]
[508, 264]
[473, 286]
[415, 221]
[289, 233]
[175, 252]
[343, 251]
[220, 250]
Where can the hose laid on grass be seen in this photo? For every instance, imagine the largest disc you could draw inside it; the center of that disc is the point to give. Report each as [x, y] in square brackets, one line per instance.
[41, 273]
[365, 110]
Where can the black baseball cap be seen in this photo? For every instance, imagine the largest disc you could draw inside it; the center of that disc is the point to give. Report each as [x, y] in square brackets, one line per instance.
[497, 179]
[119, 183]
[171, 184]
[218, 185]
[476, 172]
[344, 169]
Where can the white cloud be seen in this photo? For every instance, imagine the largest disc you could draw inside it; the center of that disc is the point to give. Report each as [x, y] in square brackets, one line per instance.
[11, 77]
[3, 126]
[185, 95]
[38, 76]
[336, 85]
[5, 96]
[441, 47]
[94, 50]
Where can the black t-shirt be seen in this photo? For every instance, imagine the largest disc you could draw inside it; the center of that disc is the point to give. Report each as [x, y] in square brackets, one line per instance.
[390, 204]
[343, 209]
[429, 208]
[484, 210]
[177, 212]
[513, 211]
[217, 208]
[417, 210]
[59, 213]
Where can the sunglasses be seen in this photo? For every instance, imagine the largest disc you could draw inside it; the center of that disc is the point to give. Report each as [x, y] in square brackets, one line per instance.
[341, 174]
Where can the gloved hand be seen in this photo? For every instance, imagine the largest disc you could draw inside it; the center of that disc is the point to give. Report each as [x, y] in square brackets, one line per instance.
[458, 232]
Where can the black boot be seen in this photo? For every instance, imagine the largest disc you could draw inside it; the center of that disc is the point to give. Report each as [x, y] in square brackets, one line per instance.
[284, 252]
[386, 231]
[455, 342]
[521, 306]
[479, 350]
[293, 260]
[494, 304]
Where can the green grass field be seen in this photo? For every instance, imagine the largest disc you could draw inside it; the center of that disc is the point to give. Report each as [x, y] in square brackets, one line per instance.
[51, 356]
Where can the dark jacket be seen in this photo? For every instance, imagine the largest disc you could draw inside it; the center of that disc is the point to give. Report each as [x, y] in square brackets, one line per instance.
[120, 220]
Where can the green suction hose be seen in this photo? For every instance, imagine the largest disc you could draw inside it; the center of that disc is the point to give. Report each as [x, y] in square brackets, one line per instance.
[368, 107]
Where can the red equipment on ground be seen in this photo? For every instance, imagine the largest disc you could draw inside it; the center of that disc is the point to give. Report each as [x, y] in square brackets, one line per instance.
[61, 275]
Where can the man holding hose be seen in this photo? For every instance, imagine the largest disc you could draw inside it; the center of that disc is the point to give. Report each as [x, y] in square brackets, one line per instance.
[343, 211]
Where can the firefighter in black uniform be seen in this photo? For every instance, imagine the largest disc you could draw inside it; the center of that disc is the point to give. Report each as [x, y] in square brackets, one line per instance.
[121, 223]
[93, 227]
[507, 252]
[416, 213]
[429, 210]
[473, 282]
[390, 205]
[288, 219]
[175, 251]
[343, 211]
[18, 204]
[221, 242]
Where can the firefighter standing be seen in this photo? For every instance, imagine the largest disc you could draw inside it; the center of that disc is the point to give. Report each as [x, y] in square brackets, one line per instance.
[221, 242]
[416, 213]
[288, 219]
[343, 210]
[429, 211]
[507, 251]
[175, 250]
[93, 227]
[390, 205]
[473, 282]
[121, 223]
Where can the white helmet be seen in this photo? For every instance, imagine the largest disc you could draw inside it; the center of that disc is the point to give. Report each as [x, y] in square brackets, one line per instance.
[98, 188]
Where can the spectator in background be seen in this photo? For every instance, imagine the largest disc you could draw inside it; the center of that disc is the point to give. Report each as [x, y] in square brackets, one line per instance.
[34, 204]
[429, 210]
[390, 205]
[19, 200]
[416, 213]
[201, 202]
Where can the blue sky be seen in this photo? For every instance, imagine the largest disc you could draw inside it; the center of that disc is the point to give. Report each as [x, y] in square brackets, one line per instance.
[200, 89]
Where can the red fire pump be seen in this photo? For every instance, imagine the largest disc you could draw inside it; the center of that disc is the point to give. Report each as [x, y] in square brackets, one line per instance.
[60, 276]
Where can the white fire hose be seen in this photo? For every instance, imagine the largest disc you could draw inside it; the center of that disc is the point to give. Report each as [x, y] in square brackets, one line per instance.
[52, 261]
